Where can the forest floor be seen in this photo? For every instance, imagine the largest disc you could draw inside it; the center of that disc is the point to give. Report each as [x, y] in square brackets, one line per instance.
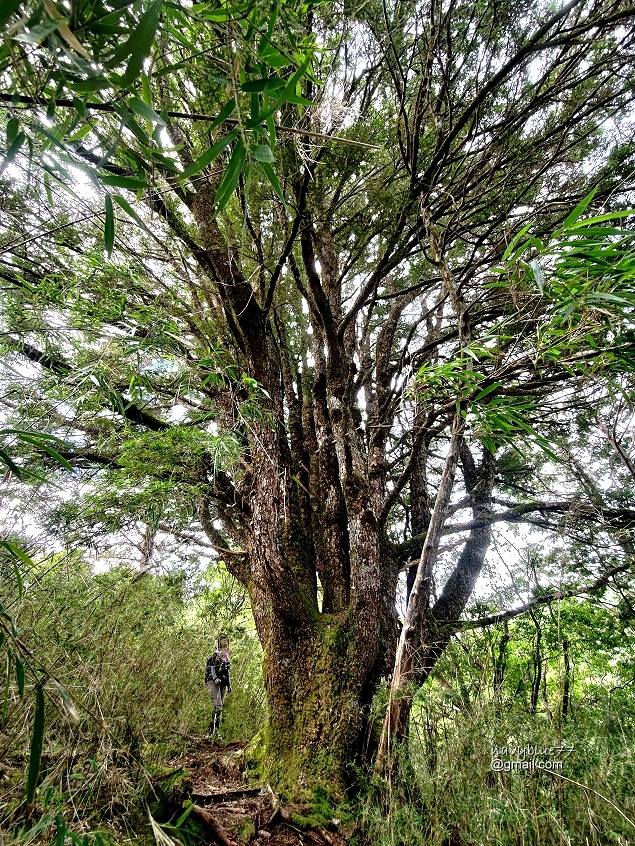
[236, 813]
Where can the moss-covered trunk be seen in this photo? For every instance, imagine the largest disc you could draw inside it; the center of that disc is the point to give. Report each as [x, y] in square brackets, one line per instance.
[320, 666]
[317, 708]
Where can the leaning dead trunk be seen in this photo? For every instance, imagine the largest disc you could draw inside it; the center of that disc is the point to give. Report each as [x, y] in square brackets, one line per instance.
[398, 712]
[428, 628]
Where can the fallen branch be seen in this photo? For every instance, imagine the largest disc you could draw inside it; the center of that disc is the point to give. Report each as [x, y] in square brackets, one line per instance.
[213, 826]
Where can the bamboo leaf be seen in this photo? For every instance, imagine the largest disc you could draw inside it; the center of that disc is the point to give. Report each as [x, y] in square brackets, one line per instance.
[602, 217]
[109, 226]
[67, 699]
[131, 183]
[263, 153]
[139, 44]
[19, 674]
[209, 155]
[60, 831]
[6, 459]
[224, 113]
[125, 205]
[7, 9]
[37, 33]
[538, 276]
[64, 30]
[42, 441]
[289, 89]
[13, 128]
[231, 176]
[7, 687]
[59, 458]
[13, 150]
[16, 552]
[268, 83]
[273, 180]
[145, 111]
[579, 209]
[514, 241]
[487, 391]
[35, 757]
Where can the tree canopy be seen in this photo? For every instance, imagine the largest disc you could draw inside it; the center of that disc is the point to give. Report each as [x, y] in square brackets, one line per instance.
[317, 286]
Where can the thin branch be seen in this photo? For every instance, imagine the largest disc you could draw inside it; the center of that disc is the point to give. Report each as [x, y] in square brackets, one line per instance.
[22, 99]
[547, 599]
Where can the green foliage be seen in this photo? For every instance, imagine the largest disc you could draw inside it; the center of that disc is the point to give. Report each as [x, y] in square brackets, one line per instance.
[96, 57]
[585, 277]
[451, 791]
[131, 649]
[163, 366]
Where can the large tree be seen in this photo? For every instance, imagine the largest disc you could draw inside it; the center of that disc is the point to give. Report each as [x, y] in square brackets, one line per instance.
[244, 365]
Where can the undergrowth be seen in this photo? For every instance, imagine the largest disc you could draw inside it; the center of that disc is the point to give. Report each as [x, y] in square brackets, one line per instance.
[131, 650]
[449, 793]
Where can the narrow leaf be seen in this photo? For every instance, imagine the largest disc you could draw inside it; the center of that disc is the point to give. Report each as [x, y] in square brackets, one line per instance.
[263, 153]
[13, 128]
[514, 241]
[145, 111]
[602, 217]
[273, 180]
[579, 209]
[60, 831]
[125, 205]
[132, 183]
[288, 90]
[35, 758]
[13, 149]
[160, 836]
[145, 88]
[184, 815]
[19, 674]
[209, 155]
[59, 458]
[140, 42]
[16, 552]
[109, 226]
[487, 391]
[7, 9]
[7, 686]
[538, 275]
[224, 113]
[6, 459]
[270, 83]
[231, 176]
[67, 699]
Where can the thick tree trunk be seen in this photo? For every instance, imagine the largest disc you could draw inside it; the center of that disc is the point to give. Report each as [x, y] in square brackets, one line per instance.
[317, 704]
[320, 666]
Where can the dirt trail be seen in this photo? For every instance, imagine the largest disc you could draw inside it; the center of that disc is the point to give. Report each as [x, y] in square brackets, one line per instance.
[238, 813]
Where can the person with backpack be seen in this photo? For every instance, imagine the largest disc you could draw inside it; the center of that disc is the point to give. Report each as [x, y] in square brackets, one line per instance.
[218, 681]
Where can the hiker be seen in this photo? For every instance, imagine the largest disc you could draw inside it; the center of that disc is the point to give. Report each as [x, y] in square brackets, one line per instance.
[218, 681]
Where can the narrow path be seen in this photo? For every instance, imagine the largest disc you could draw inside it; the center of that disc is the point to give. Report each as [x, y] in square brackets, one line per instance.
[238, 813]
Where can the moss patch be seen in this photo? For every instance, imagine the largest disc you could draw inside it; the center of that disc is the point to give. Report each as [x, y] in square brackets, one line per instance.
[168, 791]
